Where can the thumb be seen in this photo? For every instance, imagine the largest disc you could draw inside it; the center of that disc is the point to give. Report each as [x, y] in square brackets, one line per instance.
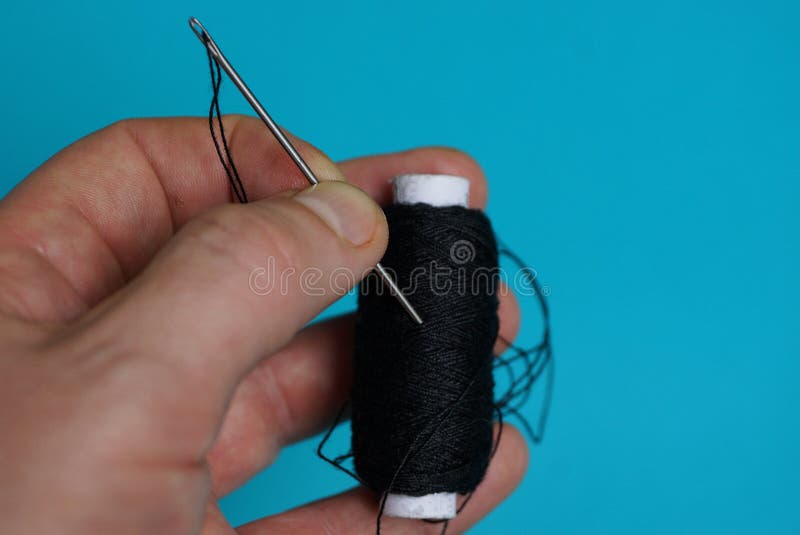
[236, 283]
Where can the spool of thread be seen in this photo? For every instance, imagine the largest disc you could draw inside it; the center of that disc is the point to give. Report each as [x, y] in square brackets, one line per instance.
[423, 394]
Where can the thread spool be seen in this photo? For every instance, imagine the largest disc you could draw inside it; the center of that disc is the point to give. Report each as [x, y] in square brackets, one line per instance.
[447, 193]
[434, 190]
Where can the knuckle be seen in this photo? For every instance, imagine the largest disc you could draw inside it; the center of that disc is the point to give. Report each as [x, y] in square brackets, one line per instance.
[220, 231]
[127, 133]
[221, 226]
[276, 407]
[244, 235]
[126, 128]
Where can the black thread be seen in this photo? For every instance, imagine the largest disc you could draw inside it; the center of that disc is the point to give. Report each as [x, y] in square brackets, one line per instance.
[526, 365]
[214, 111]
[422, 399]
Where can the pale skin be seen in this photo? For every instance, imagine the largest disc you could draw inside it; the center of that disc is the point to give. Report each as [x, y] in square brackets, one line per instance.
[141, 378]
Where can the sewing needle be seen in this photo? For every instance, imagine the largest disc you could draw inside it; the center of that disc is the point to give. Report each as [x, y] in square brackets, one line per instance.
[199, 30]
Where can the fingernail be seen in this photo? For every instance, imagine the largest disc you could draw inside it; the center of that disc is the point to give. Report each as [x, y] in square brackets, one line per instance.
[344, 208]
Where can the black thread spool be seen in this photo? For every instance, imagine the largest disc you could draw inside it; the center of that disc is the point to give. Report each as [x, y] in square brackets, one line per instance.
[423, 395]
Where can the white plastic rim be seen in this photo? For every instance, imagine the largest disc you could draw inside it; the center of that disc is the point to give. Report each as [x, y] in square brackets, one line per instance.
[436, 506]
[435, 190]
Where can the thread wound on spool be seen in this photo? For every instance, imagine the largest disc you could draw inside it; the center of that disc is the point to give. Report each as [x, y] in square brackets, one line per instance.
[423, 395]
[434, 190]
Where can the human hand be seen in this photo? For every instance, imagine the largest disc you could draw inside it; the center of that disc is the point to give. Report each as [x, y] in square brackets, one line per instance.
[141, 377]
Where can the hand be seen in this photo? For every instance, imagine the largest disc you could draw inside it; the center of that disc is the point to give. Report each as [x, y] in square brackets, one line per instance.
[141, 377]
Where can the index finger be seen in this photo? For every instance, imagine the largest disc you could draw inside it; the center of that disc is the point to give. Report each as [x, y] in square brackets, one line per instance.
[93, 216]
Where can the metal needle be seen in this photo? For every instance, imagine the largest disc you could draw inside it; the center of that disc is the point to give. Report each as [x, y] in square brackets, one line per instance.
[205, 38]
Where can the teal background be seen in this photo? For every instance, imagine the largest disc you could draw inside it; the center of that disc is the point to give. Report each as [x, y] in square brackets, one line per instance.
[643, 156]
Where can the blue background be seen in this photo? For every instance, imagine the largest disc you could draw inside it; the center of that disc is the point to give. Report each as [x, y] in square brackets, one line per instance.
[643, 157]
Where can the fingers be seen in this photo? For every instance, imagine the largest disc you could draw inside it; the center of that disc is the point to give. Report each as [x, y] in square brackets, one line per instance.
[296, 393]
[505, 473]
[372, 173]
[214, 522]
[355, 511]
[91, 217]
[510, 317]
[293, 394]
[199, 318]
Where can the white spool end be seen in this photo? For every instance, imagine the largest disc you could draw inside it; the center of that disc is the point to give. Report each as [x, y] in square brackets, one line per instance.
[436, 506]
[435, 190]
